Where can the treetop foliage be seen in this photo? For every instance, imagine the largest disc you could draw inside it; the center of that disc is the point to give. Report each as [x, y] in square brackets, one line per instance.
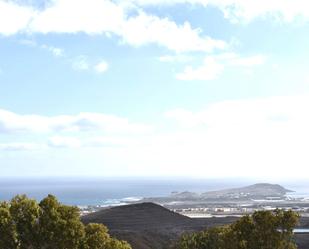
[262, 230]
[26, 224]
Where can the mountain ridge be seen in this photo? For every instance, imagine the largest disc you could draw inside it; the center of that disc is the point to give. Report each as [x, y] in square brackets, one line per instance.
[258, 190]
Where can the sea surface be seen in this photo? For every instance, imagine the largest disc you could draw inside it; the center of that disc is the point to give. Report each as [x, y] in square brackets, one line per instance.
[109, 191]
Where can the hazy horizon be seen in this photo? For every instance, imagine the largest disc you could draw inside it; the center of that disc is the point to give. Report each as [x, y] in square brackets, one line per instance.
[114, 191]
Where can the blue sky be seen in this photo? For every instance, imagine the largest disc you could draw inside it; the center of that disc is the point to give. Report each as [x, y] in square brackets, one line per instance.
[196, 88]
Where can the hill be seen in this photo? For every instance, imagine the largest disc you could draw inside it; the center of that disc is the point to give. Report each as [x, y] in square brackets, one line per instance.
[147, 225]
[143, 225]
[151, 226]
[137, 217]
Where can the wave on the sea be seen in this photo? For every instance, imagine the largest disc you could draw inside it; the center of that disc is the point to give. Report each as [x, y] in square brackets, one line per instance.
[120, 202]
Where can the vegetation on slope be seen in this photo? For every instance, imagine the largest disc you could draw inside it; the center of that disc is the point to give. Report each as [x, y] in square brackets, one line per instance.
[262, 230]
[26, 224]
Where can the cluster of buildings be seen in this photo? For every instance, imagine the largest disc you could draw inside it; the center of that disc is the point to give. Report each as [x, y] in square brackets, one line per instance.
[239, 210]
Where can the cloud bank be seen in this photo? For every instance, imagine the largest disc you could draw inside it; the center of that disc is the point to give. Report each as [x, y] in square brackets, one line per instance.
[245, 10]
[11, 123]
[213, 66]
[104, 17]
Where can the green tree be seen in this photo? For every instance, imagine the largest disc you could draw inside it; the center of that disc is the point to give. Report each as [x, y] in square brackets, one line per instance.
[117, 244]
[49, 222]
[7, 228]
[212, 238]
[262, 230]
[60, 225]
[96, 236]
[25, 224]
[25, 215]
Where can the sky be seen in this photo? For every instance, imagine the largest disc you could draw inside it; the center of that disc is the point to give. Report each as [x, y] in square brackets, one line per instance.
[182, 88]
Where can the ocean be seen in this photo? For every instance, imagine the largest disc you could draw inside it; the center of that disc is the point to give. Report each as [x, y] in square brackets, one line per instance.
[103, 191]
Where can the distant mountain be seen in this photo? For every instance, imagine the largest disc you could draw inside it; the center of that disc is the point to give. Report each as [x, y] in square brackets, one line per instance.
[185, 195]
[260, 190]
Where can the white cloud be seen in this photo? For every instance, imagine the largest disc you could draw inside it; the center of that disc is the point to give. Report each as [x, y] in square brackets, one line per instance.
[73, 16]
[57, 52]
[184, 117]
[28, 42]
[257, 137]
[210, 70]
[249, 61]
[107, 17]
[145, 29]
[214, 65]
[14, 18]
[255, 112]
[93, 141]
[111, 141]
[11, 122]
[246, 10]
[75, 141]
[18, 146]
[242, 138]
[101, 67]
[80, 63]
[64, 142]
[175, 58]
